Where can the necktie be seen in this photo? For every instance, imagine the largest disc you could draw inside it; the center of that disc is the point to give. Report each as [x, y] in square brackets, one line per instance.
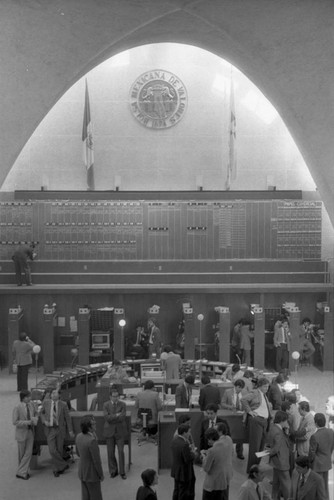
[28, 412]
[51, 413]
[284, 336]
[302, 480]
[258, 491]
[54, 414]
[238, 406]
[28, 415]
[211, 424]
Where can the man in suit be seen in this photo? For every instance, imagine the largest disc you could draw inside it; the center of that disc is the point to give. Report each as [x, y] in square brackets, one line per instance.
[280, 454]
[182, 465]
[253, 488]
[217, 465]
[246, 341]
[210, 422]
[57, 423]
[321, 449]
[25, 419]
[232, 373]
[149, 399]
[154, 339]
[183, 392]
[208, 393]
[306, 347]
[90, 466]
[21, 258]
[115, 432]
[232, 401]
[305, 430]
[150, 479]
[282, 343]
[276, 392]
[256, 405]
[306, 484]
[236, 340]
[22, 349]
[171, 363]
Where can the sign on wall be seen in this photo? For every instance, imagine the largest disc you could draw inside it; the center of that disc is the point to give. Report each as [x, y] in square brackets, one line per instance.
[158, 99]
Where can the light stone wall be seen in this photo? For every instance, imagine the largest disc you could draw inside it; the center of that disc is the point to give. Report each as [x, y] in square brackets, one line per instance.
[161, 159]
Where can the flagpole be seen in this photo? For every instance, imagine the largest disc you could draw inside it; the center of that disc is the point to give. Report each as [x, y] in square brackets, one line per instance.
[232, 165]
[87, 142]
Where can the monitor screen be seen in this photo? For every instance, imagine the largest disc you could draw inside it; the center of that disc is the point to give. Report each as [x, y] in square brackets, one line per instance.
[100, 340]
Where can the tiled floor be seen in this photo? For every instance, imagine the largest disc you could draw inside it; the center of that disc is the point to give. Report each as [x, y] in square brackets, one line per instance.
[43, 485]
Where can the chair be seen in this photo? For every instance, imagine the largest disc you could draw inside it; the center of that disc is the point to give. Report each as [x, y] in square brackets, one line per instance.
[148, 432]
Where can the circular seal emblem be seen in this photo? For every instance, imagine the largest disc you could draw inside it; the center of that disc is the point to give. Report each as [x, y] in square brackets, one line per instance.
[158, 99]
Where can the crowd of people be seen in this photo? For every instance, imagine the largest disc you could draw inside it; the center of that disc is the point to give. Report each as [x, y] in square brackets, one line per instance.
[280, 426]
[282, 429]
[308, 338]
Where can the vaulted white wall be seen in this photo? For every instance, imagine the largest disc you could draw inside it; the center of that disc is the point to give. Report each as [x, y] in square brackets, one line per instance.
[286, 49]
[145, 158]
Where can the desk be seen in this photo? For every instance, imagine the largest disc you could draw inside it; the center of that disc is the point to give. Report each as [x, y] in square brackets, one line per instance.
[40, 439]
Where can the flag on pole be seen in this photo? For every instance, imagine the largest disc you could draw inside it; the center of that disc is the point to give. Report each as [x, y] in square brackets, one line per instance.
[87, 143]
[232, 154]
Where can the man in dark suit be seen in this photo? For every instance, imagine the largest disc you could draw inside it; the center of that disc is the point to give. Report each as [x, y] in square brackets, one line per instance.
[90, 467]
[21, 258]
[232, 401]
[321, 448]
[279, 457]
[210, 422]
[150, 479]
[25, 419]
[183, 392]
[306, 484]
[256, 405]
[154, 338]
[115, 432]
[57, 424]
[208, 393]
[276, 392]
[282, 343]
[182, 465]
[149, 399]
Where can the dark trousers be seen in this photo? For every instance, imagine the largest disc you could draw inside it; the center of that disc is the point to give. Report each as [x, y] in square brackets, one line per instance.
[184, 490]
[324, 475]
[282, 357]
[22, 377]
[215, 494]
[22, 267]
[55, 440]
[281, 484]
[239, 449]
[257, 428]
[112, 442]
[91, 490]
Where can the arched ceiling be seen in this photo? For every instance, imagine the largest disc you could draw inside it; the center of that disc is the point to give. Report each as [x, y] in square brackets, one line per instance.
[284, 47]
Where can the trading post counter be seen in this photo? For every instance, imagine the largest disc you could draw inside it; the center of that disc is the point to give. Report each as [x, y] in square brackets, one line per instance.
[167, 425]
